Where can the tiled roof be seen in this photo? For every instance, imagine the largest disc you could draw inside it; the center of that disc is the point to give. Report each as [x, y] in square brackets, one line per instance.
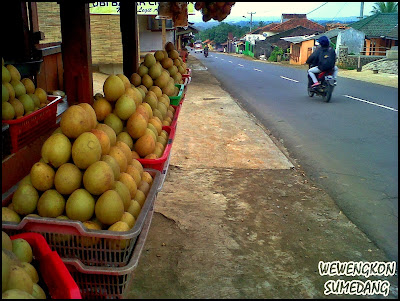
[260, 30]
[297, 22]
[377, 25]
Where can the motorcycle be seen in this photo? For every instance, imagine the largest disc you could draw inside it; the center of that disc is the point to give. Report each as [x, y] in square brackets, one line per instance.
[325, 89]
[205, 53]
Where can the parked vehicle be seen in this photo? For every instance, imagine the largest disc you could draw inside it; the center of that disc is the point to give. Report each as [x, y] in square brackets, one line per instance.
[325, 89]
[198, 47]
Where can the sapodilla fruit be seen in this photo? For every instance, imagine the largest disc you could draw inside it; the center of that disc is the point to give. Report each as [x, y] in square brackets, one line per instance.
[123, 192]
[113, 88]
[75, 121]
[80, 205]
[145, 145]
[42, 176]
[120, 157]
[102, 108]
[109, 207]
[119, 244]
[103, 139]
[86, 150]
[68, 178]
[136, 125]
[126, 138]
[91, 113]
[136, 79]
[125, 80]
[98, 178]
[25, 199]
[112, 162]
[127, 151]
[109, 131]
[56, 150]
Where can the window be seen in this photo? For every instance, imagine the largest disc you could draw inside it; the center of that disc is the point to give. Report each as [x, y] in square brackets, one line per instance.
[155, 24]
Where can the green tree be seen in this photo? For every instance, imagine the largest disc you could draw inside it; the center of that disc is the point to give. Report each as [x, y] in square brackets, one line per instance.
[220, 33]
[261, 24]
[384, 7]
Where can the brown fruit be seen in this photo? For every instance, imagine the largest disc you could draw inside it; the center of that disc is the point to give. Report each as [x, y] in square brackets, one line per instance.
[137, 124]
[129, 182]
[102, 108]
[145, 145]
[98, 178]
[75, 121]
[126, 150]
[42, 176]
[103, 139]
[120, 157]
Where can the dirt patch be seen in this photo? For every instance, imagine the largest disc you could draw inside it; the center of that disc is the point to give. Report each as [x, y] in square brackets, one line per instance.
[234, 224]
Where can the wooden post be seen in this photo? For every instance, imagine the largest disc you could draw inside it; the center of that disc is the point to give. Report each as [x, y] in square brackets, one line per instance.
[163, 33]
[138, 42]
[76, 51]
[129, 33]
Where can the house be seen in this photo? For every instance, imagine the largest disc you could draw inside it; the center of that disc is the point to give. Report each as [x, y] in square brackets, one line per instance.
[330, 26]
[292, 23]
[186, 34]
[286, 17]
[301, 47]
[266, 46]
[351, 38]
[380, 31]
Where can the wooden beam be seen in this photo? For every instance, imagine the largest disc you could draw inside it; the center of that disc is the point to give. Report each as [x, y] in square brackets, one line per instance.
[130, 37]
[76, 51]
[163, 33]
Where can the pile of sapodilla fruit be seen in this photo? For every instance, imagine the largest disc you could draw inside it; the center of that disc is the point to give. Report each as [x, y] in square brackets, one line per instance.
[19, 96]
[19, 276]
[89, 169]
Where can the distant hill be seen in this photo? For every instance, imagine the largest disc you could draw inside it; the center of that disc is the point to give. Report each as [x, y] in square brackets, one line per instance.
[205, 25]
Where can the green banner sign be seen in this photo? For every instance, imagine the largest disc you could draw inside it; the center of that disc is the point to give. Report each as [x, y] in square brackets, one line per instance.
[143, 8]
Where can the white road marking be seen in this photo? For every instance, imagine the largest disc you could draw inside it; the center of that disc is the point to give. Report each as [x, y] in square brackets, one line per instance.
[257, 69]
[230, 61]
[293, 80]
[371, 103]
[240, 65]
[223, 59]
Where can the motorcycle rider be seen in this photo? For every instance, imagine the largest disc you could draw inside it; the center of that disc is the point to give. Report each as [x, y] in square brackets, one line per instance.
[323, 59]
[206, 50]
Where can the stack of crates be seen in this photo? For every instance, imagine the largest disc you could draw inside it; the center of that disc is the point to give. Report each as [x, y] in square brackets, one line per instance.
[100, 261]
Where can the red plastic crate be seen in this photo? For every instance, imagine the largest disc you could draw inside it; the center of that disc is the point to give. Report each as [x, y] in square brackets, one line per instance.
[53, 271]
[27, 129]
[188, 74]
[159, 163]
[176, 114]
[171, 133]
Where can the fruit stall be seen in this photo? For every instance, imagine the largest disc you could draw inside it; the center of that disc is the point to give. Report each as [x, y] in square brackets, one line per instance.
[81, 172]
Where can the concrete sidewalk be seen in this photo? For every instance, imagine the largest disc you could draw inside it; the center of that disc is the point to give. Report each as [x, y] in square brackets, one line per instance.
[236, 217]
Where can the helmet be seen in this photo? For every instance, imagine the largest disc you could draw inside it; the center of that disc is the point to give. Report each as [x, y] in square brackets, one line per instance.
[323, 41]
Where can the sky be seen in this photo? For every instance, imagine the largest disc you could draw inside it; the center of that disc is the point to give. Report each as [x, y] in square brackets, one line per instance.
[265, 10]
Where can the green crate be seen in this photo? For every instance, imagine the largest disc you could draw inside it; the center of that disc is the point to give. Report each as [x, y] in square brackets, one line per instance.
[175, 100]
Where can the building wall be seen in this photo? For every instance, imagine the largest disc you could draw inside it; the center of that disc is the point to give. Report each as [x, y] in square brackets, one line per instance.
[304, 51]
[106, 41]
[351, 38]
[152, 40]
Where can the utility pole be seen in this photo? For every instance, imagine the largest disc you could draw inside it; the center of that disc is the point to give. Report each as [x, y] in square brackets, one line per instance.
[361, 11]
[251, 19]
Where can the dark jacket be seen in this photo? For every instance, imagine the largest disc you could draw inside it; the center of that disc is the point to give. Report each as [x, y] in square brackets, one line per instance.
[323, 57]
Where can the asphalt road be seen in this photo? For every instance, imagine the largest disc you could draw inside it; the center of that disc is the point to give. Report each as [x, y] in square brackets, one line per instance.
[349, 146]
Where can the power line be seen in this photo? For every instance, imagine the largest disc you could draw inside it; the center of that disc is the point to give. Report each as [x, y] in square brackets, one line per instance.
[317, 8]
[339, 11]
